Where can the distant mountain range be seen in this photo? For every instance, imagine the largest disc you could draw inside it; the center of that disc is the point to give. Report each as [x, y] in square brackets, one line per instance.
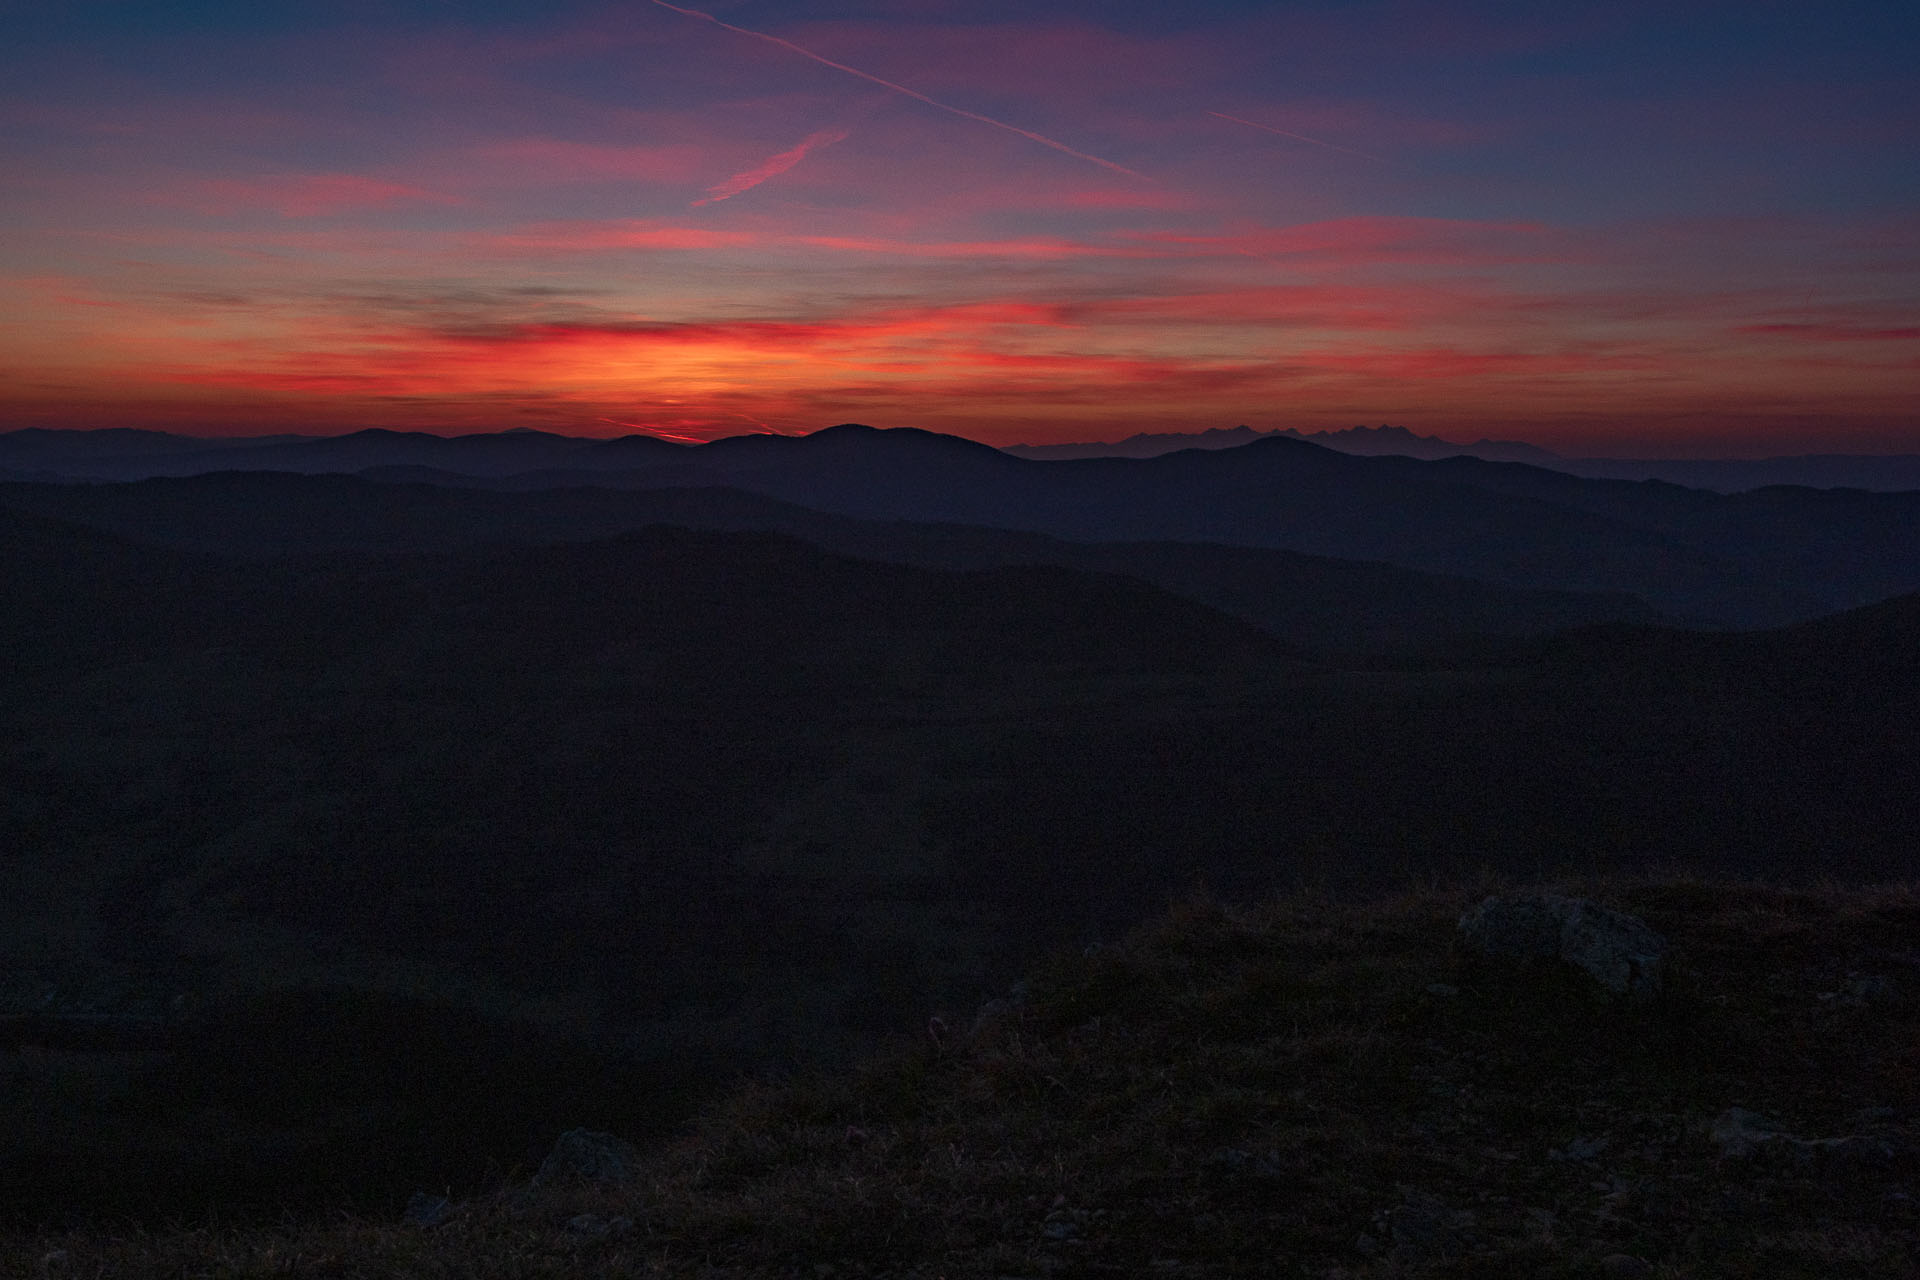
[1766, 557]
[113, 455]
[1365, 441]
[128, 454]
[1882, 472]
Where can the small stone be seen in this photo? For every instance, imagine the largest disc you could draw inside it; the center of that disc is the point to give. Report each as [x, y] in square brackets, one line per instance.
[1580, 1149]
[1424, 1229]
[588, 1228]
[1445, 990]
[993, 1018]
[424, 1210]
[590, 1157]
[1624, 1266]
[1247, 1164]
[1738, 1133]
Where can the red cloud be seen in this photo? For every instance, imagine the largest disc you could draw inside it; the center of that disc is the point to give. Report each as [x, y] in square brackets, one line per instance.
[1447, 363]
[1835, 332]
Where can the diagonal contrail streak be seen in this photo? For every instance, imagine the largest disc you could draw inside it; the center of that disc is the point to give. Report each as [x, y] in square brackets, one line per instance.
[962, 112]
[1298, 137]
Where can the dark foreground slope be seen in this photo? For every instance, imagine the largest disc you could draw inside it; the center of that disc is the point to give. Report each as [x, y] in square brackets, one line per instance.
[309, 858]
[1306, 1089]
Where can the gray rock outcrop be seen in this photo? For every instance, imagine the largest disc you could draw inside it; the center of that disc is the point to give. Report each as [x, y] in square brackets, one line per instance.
[1615, 949]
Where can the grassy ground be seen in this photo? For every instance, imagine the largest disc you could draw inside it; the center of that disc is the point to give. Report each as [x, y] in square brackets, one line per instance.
[1303, 1089]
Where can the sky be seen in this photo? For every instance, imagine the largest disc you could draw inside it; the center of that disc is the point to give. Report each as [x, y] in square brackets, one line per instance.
[1640, 229]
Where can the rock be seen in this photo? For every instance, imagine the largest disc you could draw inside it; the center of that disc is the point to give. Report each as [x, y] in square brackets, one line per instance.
[1624, 1266]
[1743, 1135]
[589, 1157]
[1616, 950]
[994, 1019]
[1424, 1229]
[424, 1210]
[1580, 1149]
[589, 1228]
[1738, 1133]
[1854, 1151]
[1859, 992]
[1262, 1165]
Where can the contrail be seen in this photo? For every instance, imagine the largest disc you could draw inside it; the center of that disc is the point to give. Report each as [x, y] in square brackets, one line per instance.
[771, 169]
[1298, 137]
[964, 114]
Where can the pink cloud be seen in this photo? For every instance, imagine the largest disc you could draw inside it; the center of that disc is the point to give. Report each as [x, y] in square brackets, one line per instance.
[587, 237]
[65, 290]
[1361, 241]
[1155, 198]
[296, 195]
[553, 160]
[1297, 137]
[772, 167]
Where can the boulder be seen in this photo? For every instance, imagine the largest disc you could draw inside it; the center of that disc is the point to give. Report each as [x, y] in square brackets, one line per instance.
[1616, 950]
[586, 1156]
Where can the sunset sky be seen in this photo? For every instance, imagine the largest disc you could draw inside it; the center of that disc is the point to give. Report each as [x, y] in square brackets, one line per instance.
[1629, 228]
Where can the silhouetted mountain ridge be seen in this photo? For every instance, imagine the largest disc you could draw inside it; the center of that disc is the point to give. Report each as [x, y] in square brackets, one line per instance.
[1894, 472]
